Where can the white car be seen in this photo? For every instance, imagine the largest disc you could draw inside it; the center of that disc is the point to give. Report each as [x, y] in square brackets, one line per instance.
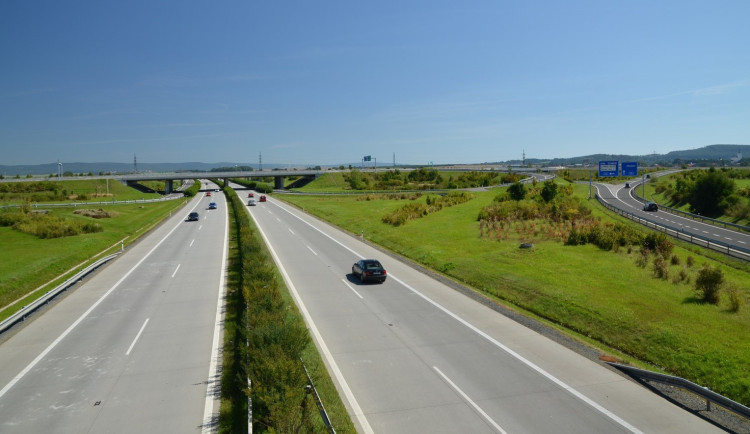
[251, 202]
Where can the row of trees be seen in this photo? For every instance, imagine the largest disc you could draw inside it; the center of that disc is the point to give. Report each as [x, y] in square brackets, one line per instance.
[425, 179]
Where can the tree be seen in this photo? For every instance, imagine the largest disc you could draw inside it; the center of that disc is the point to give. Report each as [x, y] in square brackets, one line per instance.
[549, 190]
[710, 193]
[517, 191]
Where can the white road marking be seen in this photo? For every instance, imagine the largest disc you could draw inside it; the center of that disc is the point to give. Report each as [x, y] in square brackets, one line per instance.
[80, 319]
[175, 270]
[200, 227]
[352, 288]
[517, 356]
[472, 403]
[290, 230]
[313, 251]
[143, 327]
[191, 243]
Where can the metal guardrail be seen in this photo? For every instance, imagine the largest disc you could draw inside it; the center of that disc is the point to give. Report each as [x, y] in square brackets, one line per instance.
[323, 414]
[707, 394]
[680, 234]
[49, 295]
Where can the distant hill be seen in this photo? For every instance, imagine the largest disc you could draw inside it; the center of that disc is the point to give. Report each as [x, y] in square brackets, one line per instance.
[713, 154]
[705, 155]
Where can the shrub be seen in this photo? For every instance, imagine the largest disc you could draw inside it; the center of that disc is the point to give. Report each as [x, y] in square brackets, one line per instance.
[658, 243]
[661, 269]
[675, 260]
[690, 261]
[708, 284]
[642, 259]
[735, 298]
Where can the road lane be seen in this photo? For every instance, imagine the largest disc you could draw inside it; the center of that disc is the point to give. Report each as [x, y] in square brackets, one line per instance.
[395, 344]
[136, 350]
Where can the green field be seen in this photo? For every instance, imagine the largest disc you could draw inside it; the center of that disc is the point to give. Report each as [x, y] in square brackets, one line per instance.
[27, 262]
[95, 190]
[600, 296]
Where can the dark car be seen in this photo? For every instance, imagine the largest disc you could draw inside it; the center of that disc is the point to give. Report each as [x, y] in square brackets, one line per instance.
[627, 185]
[193, 217]
[650, 206]
[369, 270]
[212, 205]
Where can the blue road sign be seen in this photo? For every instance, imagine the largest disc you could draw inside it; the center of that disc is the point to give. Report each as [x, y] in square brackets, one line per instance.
[608, 168]
[368, 158]
[630, 169]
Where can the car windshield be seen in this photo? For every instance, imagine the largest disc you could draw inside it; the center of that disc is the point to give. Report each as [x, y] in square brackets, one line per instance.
[373, 265]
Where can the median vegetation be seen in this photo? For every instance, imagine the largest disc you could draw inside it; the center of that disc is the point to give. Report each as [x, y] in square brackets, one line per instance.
[265, 341]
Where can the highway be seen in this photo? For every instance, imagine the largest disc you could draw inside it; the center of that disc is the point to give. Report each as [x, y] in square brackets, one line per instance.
[413, 355]
[620, 197]
[132, 349]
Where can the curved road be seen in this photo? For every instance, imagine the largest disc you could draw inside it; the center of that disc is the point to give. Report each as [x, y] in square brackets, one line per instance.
[622, 198]
[413, 355]
[134, 348]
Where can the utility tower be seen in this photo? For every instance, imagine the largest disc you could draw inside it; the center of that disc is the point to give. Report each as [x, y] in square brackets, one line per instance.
[523, 160]
[135, 164]
[260, 162]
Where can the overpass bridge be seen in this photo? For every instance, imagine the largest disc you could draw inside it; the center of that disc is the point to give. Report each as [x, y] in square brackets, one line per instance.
[170, 177]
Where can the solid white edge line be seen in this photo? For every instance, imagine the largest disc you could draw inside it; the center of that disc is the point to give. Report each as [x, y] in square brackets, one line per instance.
[175, 270]
[520, 358]
[70, 328]
[208, 410]
[352, 288]
[314, 329]
[470, 401]
[143, 327]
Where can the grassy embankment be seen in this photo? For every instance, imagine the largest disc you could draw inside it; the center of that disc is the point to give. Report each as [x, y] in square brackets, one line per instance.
[265, 339]
[78, 191]
[600, 296]
[28, 262]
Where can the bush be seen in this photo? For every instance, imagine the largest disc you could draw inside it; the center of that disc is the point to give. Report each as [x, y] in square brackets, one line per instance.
[708, 284]
[675, 260]
[661, 269]
[659, 243]
[736, 299]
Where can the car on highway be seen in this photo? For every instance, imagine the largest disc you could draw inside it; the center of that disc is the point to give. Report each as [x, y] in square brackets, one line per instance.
[262, 197]
[193, 217]
[650, 206]
[251, 202]
[369, 270]
[627, 185]
[250, 194]
[212, 205]
[208, 194]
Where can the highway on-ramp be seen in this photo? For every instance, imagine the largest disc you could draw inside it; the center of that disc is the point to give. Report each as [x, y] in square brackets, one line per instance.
[413, 355]
[134, 348]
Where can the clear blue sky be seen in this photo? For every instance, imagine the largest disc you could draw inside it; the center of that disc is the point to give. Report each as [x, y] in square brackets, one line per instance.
[326, 82]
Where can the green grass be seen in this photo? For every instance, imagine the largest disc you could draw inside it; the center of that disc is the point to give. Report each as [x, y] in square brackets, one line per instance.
[96, 190]
[27, 262]
[602, 296]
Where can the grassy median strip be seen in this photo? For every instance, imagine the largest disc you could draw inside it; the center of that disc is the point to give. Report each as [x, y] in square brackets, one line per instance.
[637, 312]
[266, 341]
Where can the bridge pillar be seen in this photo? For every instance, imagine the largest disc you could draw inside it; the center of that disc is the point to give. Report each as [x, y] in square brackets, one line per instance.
[278, 182]
[168, 186]
[226, 182]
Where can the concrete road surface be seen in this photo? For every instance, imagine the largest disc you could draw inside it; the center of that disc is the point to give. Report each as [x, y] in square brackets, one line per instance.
[134, 348]
[413, 355]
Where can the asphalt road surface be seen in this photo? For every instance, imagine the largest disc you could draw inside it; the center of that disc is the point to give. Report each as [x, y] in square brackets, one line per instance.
[134, 348]
[412, 355]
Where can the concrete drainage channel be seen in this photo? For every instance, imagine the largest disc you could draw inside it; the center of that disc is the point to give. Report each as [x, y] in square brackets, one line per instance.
[49, 295]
